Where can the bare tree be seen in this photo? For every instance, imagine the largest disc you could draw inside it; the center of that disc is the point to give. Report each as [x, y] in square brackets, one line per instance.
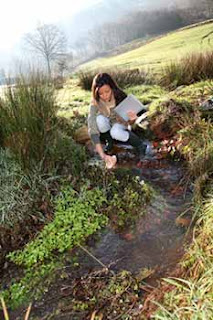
[48, 41]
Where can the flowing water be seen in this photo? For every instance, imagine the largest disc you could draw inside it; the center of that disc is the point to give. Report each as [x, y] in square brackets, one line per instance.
[157, 240]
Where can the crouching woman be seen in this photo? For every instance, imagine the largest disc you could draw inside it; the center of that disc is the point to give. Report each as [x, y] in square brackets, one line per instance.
[104, 125]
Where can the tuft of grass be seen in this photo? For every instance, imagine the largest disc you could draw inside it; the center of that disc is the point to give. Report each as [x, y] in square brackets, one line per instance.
[147, 93]
[28, 119]
[19, 192]
[25, 201]
[192, 68]
[196, 139]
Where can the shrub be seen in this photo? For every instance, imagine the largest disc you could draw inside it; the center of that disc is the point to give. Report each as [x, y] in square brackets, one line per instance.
[192, 68]
[124, 78]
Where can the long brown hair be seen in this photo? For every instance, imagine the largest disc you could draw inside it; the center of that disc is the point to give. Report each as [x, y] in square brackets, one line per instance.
[104, 78]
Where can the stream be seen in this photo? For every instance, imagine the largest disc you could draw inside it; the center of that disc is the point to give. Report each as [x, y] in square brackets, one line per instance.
[157, 240]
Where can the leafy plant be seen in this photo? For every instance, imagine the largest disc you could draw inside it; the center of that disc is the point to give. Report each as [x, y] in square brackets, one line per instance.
[75, 219]
[126, 195]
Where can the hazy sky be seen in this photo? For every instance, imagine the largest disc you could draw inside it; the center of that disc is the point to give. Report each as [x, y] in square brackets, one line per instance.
[21, 16]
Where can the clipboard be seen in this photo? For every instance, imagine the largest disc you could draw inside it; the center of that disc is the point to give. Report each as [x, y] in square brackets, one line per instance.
[130, 103]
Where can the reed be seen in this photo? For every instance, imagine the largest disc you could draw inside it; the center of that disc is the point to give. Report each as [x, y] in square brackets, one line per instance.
[28, 118]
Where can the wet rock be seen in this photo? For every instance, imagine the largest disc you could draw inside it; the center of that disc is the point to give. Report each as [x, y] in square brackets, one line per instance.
[207, 105]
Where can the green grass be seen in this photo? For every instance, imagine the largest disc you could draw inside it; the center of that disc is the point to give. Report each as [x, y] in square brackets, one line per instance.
[191, 296]
[73, 99]
[146, 93]
[155, 54]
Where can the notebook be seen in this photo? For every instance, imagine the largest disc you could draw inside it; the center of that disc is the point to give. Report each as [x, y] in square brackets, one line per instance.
[130, 103]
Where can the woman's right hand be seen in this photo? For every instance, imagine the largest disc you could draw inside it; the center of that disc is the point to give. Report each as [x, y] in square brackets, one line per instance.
[110, 161]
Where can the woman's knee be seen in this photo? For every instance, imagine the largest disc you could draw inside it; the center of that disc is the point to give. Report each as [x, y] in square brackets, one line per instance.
[103, 123]
[119, 132]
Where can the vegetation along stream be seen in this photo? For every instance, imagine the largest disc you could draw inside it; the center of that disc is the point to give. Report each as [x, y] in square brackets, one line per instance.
[149, 247]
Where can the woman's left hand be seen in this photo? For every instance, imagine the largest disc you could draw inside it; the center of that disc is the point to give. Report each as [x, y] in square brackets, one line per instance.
[132, 115]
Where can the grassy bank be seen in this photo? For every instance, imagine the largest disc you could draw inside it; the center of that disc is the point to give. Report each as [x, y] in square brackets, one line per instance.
[190, 295]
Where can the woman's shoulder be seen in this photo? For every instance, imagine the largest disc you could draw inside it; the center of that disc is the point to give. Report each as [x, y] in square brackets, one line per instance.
[94, 103]
[93, 109]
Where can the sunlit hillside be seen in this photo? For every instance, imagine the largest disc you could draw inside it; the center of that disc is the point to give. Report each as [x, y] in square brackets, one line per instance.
[154, 54]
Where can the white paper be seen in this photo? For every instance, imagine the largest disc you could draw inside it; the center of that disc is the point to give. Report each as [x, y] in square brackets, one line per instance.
[130, 103]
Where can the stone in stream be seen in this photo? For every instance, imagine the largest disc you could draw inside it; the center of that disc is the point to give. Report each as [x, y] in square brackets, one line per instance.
[183, 221]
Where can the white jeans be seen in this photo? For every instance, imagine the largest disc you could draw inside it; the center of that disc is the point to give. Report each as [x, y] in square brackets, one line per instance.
[118, 131]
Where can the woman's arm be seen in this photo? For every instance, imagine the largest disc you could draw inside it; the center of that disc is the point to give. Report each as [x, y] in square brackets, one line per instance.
[92, 125]
[95, 137]
[100, 151]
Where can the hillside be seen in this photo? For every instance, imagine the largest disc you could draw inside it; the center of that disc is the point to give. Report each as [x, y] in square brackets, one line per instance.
[155, 53]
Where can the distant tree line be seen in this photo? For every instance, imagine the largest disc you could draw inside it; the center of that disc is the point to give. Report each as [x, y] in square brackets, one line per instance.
[139, 24]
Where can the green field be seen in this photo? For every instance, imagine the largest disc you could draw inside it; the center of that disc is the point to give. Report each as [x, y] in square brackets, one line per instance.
[154, 54]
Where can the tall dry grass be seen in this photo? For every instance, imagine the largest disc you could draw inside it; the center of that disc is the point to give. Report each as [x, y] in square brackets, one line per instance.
[124, 77]
[191, 68]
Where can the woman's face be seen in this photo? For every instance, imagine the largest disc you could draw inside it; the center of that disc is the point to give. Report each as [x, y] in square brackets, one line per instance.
[105, 92]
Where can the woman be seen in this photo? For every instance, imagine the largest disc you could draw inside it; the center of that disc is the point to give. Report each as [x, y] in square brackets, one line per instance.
[104, 124]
